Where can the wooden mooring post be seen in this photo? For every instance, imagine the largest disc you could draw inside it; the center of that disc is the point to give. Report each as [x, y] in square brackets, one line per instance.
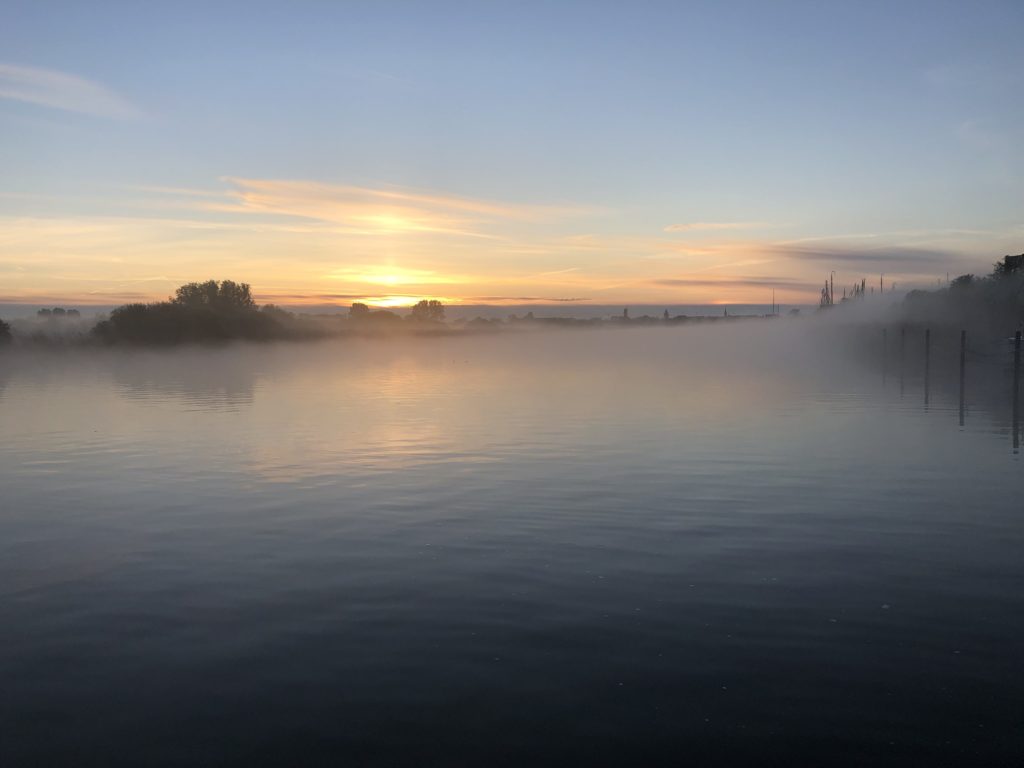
[885, 356]
[927, 361]
[963, 372]
[1016, 391]
[903, 349]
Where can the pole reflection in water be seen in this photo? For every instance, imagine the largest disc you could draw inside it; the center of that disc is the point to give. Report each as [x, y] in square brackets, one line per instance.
[1016, 392]
[927, 362]
[963, 363]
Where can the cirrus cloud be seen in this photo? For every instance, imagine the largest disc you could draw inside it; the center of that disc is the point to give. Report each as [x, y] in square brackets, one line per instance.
[711, 226]
[870, 257]
[378, 210]
[60, 90]
[781, 283]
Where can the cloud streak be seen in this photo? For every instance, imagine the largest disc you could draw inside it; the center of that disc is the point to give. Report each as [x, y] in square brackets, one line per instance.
[890, 258]
[525, 298]
[60, 90]
[734, 282]
[392, 275]
[712, 226]
[377, 211]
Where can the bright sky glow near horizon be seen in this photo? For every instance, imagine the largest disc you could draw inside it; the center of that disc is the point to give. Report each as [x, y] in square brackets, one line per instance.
[506, 152]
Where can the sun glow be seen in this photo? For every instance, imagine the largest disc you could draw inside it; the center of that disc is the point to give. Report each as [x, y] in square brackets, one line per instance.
[292, 241]
[386, 222]
[383, 279]
[393, 276]
[391, 302]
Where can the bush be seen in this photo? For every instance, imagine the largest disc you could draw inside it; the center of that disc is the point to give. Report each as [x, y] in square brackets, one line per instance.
[428, 310]
[199, 312]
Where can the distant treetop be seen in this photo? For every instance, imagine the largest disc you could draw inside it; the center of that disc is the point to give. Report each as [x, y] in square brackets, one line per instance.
[57, 312]
[226, 294]
[429, 310]
[1009, 265]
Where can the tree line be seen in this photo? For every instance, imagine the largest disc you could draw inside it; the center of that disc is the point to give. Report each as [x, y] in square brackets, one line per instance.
[989, 306]
[226, 310]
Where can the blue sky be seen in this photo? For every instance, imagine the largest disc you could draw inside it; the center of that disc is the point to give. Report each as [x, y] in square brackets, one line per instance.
[609, 152]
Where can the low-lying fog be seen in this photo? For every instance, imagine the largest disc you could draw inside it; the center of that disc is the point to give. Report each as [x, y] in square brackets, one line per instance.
[641, 532]
[506, 387]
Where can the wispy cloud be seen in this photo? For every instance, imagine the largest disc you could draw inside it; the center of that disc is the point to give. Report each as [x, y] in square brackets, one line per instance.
[309, 296]
[181, 191]
[541, 299]
[392, 275]
[549, 273]
[75, 298]
[734, 264]
[870, 258]
[710, 226]
[60, 90]
[787, 283]
[377, 210]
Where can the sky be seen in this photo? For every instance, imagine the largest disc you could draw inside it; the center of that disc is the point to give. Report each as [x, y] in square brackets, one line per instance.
[500, 152]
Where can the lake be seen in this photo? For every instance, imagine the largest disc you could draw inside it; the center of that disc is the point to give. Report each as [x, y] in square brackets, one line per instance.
[708, 545]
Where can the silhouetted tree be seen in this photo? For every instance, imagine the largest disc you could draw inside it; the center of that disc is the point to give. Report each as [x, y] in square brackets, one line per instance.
[276, 312]
[1008, 266]
[57, 312]
[209, 311]
[384, 317]
[197, 294]
[961, 284]
[428, 310]
[224, 295]
[5, 332]
[236, 295]
[987, 307]
[358, 311]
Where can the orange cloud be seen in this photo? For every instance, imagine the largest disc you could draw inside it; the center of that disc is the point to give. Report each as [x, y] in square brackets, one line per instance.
[369, 210]
[309, 239]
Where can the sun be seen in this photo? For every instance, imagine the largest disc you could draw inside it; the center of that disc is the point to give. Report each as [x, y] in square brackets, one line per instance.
[391, 302]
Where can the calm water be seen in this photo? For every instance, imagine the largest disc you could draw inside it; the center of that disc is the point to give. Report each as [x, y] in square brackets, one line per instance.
[702, 545]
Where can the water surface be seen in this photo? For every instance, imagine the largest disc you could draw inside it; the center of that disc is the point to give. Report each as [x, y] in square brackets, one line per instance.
[715, 545]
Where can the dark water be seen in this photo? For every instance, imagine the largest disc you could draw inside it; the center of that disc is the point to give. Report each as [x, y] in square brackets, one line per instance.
[671, 546]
